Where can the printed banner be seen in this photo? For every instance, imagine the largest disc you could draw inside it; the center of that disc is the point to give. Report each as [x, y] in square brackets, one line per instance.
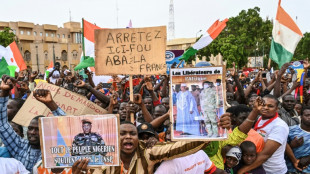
[172, 59]
[198, 103]
[66, 139]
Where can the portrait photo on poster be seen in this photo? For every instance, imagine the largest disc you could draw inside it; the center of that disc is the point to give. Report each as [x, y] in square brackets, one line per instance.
[197, 103]
[67, 139]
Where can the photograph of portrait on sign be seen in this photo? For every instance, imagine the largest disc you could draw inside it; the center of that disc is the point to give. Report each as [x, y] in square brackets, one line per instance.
[67, 139]
[197, 102]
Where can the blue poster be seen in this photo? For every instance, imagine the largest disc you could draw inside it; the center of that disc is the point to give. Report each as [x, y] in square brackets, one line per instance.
[172, 59]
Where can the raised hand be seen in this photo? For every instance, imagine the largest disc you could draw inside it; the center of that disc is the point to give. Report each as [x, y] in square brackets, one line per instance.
[258, 104]
[7, 84]
[149, 86]
[225, 121]
[43, 95]
[306, 64]
[80, 166]
[137, 98]
[283, 68]
[33, 76]
[80, 84]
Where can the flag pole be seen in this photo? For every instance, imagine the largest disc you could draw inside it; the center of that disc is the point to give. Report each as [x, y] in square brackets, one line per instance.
[83, 38]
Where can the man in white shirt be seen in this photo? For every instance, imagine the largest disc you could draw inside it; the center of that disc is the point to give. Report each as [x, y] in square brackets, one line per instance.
[275, 132]
[198, 162]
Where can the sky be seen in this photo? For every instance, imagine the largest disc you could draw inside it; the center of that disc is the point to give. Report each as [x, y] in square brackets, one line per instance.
[190, 16]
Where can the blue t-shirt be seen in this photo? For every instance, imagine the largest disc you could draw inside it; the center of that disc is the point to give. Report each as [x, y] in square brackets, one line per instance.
[303, 150]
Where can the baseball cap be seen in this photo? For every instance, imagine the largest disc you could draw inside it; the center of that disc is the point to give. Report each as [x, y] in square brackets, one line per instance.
[145, 128]
[235, 152]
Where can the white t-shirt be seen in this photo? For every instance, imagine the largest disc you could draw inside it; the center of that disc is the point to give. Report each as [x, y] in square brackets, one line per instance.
[11, 165]
[191, 164]
[277, 131]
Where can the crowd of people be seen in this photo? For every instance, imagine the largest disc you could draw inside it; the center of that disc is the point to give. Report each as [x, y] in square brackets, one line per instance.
[268, 124]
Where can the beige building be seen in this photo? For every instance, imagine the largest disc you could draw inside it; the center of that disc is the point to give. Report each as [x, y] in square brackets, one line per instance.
[184, 43]
[38, 43]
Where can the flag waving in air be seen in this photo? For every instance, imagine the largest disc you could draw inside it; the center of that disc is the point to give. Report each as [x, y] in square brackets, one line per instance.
[206, 39]
[88, 45]
[285, 37]
[11, 60]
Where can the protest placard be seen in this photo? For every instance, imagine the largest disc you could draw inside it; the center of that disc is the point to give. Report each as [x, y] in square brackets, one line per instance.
[131, 51]
[199, 103]
[67, 139]
[72, 103]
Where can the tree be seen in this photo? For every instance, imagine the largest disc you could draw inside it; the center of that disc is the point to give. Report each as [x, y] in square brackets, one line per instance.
[6, 37]
[245, 35]
[303, 48]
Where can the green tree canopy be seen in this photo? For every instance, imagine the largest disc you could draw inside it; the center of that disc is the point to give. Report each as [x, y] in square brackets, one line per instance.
[303, 48]
[245, 35]
[6, 37]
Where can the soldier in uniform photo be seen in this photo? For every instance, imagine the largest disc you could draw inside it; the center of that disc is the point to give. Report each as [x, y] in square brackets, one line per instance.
[87, 138]
[208, 102]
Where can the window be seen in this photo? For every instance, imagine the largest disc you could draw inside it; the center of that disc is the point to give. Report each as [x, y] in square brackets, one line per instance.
[35, 33]
[41, 34]
[52, 34]
[78, 37]
[28, 32]
[58, 35]
[27, 56]
[64, 55]
[63, 36]
[46, 54]
[68, 35]
[21, 32]
[46, 34]
[74, 54]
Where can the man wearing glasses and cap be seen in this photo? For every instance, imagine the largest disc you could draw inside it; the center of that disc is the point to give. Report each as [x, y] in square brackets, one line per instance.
[87, 138]
[186, 112]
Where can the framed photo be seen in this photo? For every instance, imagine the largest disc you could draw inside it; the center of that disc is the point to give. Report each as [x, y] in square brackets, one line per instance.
[66, 139]
[197, 101]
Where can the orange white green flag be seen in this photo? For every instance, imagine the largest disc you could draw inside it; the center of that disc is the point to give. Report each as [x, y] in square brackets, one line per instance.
[11, 60]
[215, 29]
[285, 37]
[88, 57]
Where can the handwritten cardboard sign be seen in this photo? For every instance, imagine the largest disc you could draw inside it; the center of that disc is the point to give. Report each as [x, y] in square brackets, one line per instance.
[70, 102]
[132, 51]
[95, 137]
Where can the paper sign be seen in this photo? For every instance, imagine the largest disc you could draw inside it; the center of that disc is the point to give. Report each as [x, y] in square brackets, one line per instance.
[66, 139]
[199, 103]
[70, 102]
[131, 51]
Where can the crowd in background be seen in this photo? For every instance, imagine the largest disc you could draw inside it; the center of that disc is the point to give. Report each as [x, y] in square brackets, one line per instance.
[268, 123]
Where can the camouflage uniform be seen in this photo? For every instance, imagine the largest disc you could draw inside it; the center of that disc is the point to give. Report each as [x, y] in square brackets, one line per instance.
[91, 139]
[208, 103]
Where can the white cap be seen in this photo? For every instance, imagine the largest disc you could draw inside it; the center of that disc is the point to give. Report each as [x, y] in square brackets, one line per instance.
[235, 152]
[183, 84]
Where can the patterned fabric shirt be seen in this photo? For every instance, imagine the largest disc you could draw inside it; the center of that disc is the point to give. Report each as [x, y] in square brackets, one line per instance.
[18, 147]
[301, 151]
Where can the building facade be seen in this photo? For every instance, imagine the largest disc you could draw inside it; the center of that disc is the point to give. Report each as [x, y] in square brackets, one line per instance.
[39, 43]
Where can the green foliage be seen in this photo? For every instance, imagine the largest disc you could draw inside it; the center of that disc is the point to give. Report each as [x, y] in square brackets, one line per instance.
[303, 48]
[6, 37]
[246, 35]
